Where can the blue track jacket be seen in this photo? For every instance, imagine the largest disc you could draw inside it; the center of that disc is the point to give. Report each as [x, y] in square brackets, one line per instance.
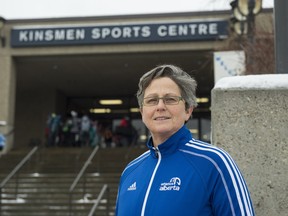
[182, 177]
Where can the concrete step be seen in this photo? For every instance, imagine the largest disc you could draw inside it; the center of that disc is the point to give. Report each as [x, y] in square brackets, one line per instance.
[43, 184]
[48, 194]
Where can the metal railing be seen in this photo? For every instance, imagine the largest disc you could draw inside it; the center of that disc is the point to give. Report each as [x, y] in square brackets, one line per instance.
[13, 172]
[78, 177]
[97, 201]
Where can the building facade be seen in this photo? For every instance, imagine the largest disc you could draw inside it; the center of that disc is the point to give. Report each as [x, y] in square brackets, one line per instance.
[59, 65]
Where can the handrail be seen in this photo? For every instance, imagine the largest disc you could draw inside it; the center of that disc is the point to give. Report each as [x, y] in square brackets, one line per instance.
[14, 171]
[76, 180]
[88, 161]
[22, 162]
[97, 201]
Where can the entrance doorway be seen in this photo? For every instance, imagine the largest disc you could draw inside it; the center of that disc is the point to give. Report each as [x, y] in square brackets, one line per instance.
[60, 84]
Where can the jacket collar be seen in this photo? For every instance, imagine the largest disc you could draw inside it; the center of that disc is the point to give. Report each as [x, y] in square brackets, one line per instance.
[181, 137]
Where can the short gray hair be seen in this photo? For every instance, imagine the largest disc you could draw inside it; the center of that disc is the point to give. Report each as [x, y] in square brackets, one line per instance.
[184, 81]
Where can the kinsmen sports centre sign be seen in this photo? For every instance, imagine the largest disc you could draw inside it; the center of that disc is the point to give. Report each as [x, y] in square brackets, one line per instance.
[112, 34]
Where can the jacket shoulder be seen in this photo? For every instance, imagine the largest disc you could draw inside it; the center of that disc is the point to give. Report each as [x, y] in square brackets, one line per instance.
[135, 163]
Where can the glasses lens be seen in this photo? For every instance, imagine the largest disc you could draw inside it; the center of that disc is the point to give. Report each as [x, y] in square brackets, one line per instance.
[168, 100]
[171, 100]
[151, 101]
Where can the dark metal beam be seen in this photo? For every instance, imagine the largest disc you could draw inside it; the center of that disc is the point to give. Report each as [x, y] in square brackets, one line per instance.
[281, 36]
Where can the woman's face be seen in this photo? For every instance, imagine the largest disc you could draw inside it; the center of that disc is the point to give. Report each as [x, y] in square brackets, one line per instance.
[164, 120]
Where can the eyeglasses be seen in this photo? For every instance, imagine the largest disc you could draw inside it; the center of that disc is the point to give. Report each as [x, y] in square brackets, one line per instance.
[167, 100]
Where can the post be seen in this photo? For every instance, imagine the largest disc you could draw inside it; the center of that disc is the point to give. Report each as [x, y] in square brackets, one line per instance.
[250, 34]
[251, 21]
[281, 36]
[108, 202]
[70, 203]
[0, 201]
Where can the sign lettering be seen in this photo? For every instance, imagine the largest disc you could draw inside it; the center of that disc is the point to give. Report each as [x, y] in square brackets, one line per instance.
[83, 35]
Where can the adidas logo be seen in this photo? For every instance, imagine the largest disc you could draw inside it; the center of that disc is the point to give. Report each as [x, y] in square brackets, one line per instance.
[132, 187]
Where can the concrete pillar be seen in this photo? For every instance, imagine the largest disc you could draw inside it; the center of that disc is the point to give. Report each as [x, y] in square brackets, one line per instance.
[7, 98]
[250, 121]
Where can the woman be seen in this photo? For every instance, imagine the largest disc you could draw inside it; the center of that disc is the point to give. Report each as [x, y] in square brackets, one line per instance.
[178, 175]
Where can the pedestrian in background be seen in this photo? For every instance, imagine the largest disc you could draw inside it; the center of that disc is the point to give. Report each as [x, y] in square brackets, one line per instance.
[85, 128]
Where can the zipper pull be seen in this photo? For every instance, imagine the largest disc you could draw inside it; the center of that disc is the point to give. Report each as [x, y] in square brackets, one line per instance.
[156, 152]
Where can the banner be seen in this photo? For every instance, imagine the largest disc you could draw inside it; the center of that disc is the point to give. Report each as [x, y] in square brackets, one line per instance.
[228, 63]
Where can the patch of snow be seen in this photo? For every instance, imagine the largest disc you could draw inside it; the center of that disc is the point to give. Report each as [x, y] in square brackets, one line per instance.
[265, 81]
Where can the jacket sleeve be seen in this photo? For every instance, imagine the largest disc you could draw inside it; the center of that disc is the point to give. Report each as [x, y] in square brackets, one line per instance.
[230, 194]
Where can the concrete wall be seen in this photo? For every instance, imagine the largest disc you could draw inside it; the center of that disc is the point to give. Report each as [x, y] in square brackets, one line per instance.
[250, 121]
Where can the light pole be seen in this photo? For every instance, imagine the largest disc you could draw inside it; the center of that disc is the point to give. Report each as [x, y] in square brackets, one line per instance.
[281, 36]
[244, 11]
[2, 37]
[243, 20]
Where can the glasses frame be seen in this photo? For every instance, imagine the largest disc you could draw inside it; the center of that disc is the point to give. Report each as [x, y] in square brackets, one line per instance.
[179, 98]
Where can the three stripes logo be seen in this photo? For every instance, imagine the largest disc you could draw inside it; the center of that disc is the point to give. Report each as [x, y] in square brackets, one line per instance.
[132, 187]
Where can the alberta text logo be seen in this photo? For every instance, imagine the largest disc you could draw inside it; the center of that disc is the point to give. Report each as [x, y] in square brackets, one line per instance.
[173, 184]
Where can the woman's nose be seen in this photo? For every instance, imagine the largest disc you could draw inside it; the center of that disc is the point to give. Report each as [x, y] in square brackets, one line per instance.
[161, 104]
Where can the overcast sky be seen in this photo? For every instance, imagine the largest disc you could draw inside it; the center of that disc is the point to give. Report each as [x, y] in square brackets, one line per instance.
[22, 9]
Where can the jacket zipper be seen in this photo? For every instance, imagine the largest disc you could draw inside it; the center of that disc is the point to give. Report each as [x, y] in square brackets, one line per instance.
[158, 154]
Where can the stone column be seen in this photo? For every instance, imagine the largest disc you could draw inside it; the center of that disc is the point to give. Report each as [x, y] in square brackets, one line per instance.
[250, 121]
[7, 98]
